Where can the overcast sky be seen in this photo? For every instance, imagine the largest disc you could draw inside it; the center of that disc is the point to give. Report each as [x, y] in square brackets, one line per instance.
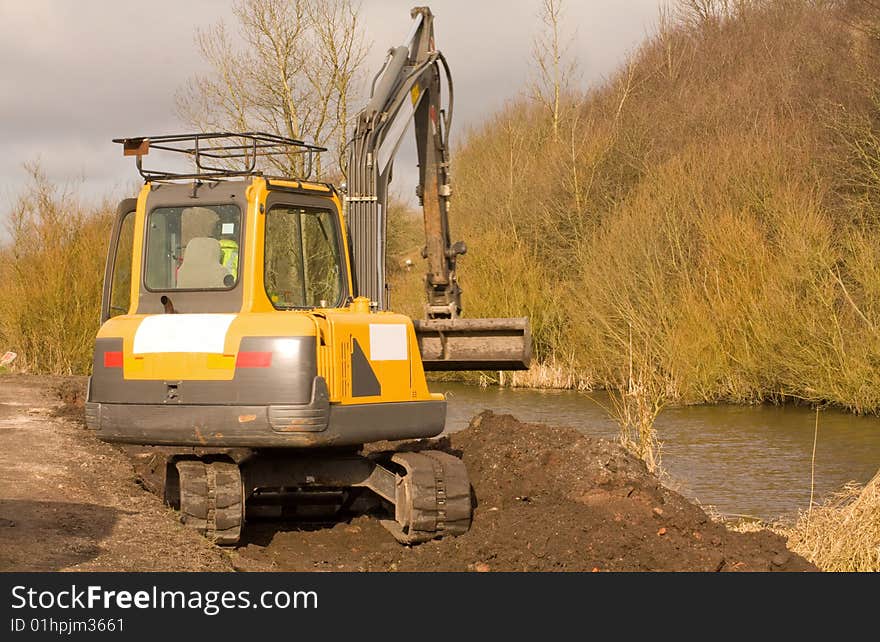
[77, 73]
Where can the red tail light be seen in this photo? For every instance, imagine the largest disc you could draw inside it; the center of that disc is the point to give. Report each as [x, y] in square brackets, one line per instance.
[112, 359]
[253, 360]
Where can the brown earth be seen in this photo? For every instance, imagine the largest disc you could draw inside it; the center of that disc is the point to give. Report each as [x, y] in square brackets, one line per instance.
[548, 499]
[70, 502]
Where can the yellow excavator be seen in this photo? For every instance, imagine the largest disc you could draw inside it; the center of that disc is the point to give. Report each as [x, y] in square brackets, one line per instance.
[246, 329]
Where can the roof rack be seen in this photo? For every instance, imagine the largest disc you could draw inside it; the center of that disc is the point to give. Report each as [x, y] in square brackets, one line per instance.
[210, 150]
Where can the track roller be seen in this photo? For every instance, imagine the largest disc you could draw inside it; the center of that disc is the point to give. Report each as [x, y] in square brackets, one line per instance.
[433, 497]
[212, 499]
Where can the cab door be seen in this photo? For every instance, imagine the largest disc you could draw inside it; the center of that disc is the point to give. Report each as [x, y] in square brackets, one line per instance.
[116, 295]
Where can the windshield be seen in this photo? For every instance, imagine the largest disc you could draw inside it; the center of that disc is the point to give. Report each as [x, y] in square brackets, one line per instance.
[193, 248]
[302, 258]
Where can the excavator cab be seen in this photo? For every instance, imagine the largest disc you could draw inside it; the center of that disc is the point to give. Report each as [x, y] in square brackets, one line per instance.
[246, 329]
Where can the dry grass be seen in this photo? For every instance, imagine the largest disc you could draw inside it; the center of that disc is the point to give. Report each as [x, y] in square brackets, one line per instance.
[51, 274]
[713, 205]
[635, 404]
[635, 409]
[738, 523]
[550, 374]
[843, 534]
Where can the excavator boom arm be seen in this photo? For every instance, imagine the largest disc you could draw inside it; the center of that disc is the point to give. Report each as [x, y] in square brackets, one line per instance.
[408, 91]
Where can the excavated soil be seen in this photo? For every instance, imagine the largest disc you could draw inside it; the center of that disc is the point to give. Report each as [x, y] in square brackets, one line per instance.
[548, 499]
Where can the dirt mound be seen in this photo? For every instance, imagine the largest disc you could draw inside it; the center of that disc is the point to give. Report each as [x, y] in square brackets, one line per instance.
[71, 392]
[548, 499]
[552, 499]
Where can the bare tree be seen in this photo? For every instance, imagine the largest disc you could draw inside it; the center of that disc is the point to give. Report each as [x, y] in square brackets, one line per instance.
[550, 52]
[291, 68]
[702, 13]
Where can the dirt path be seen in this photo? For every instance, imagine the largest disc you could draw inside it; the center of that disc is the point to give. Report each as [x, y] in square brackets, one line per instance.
[548, 499]
[69, 502]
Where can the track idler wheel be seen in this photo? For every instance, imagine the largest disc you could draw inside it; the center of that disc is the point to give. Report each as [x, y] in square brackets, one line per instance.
[212, 499]
[433, 497]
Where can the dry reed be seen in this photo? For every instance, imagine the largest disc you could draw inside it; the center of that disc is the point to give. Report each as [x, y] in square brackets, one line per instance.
[843, 534]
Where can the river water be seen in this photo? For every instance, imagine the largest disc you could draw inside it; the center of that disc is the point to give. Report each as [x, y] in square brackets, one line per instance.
[752, 461]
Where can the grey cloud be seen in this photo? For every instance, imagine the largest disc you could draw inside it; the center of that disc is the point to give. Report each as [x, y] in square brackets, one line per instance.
[77, 74]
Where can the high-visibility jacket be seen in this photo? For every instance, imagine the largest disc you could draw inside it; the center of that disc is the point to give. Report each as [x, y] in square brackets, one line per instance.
[229, 256]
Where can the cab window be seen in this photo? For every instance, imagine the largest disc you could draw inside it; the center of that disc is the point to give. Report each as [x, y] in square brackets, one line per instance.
[120, 284]
[193, 248]
[302, 263]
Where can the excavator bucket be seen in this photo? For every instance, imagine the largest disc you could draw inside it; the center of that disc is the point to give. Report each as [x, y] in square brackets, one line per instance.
[474, 344]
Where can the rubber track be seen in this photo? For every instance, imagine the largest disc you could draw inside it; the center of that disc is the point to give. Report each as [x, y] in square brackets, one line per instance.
[439, 497]
[211, 499]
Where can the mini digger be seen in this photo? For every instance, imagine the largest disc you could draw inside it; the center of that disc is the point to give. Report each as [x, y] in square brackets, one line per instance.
[246, 324]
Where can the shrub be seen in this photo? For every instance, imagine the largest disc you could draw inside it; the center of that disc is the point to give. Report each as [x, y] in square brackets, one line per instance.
[51, 275]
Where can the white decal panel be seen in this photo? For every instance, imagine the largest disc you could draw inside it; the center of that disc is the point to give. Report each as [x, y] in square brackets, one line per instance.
[388, 342]
[186, 333]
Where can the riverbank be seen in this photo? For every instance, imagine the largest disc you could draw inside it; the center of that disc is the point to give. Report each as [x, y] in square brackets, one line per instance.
[753, 461]
[548, 499]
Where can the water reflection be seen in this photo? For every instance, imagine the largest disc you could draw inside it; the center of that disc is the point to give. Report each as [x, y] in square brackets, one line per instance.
[742, 460]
